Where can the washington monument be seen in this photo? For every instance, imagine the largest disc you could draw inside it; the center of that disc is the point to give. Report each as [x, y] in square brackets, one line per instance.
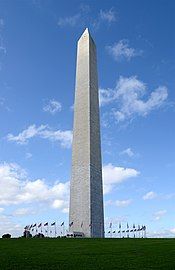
[86, 191]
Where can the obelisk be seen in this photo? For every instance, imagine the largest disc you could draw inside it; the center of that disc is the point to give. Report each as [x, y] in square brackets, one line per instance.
[86, 191]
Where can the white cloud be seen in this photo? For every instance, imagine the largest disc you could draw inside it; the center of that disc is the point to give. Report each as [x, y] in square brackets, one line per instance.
[28, 155]
[3, 50]
[172, 230]
[115, 220]
[2, 47]
[8, 226]
[26, 134]
[129, 94]
[23, 212]
[69, 21]
[159, 214]
[52, 107]
[83, 17]
[2, 101]
[18, 189]
[72, 107]
[43, 131]
[121, 50]
[123, 203]
[108, 15]
[115, 175]
[162, 233]
[1, 23]
[106, 96]
[61, 204]
[128, 152]
[150, 195]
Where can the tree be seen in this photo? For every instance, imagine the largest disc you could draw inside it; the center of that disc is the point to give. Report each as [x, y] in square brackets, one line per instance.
[7, 235]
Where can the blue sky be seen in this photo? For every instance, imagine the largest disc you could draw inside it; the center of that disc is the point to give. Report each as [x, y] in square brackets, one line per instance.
[135, 43]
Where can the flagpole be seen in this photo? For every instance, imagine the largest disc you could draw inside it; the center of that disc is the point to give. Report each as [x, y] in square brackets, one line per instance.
[133, 230]
[136, 232]
[127, 230]
[55, 230]
[144, 231]
[63, 230]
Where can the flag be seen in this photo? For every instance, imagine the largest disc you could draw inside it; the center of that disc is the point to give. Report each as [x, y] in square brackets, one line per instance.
[32, 229]
[39, 225]
[62, 223]
[123, 231]
[138, 228]
[119, 231]
[70, 225]
[46, 224]
[26, 227]
[127, 230]
[131, 230]
[52, 224]
[110, 225]
[120, 225]
[127, 225]
[109, 232]
[113, 232]
[34, 225]
[134, 226]
[81, 224]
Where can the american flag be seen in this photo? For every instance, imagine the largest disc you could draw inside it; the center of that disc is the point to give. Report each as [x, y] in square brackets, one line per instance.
[70, 225]
[52, 224]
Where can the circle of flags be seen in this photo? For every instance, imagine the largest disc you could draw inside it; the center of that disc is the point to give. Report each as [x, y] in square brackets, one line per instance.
[56, 229]
[126, 231]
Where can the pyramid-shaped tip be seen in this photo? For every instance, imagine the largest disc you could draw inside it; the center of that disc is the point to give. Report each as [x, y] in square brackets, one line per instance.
[85, 33]
[86, 30]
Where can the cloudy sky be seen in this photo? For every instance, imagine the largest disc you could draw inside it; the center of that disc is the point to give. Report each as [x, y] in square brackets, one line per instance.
[135, 43]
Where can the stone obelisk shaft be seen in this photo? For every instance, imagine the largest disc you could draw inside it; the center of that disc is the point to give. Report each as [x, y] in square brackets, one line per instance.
[86, 192]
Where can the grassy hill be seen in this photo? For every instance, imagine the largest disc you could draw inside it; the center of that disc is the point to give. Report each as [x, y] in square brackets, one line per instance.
[88, 254]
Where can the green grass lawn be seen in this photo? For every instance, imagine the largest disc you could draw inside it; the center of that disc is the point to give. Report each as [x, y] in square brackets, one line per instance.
[87, 254]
